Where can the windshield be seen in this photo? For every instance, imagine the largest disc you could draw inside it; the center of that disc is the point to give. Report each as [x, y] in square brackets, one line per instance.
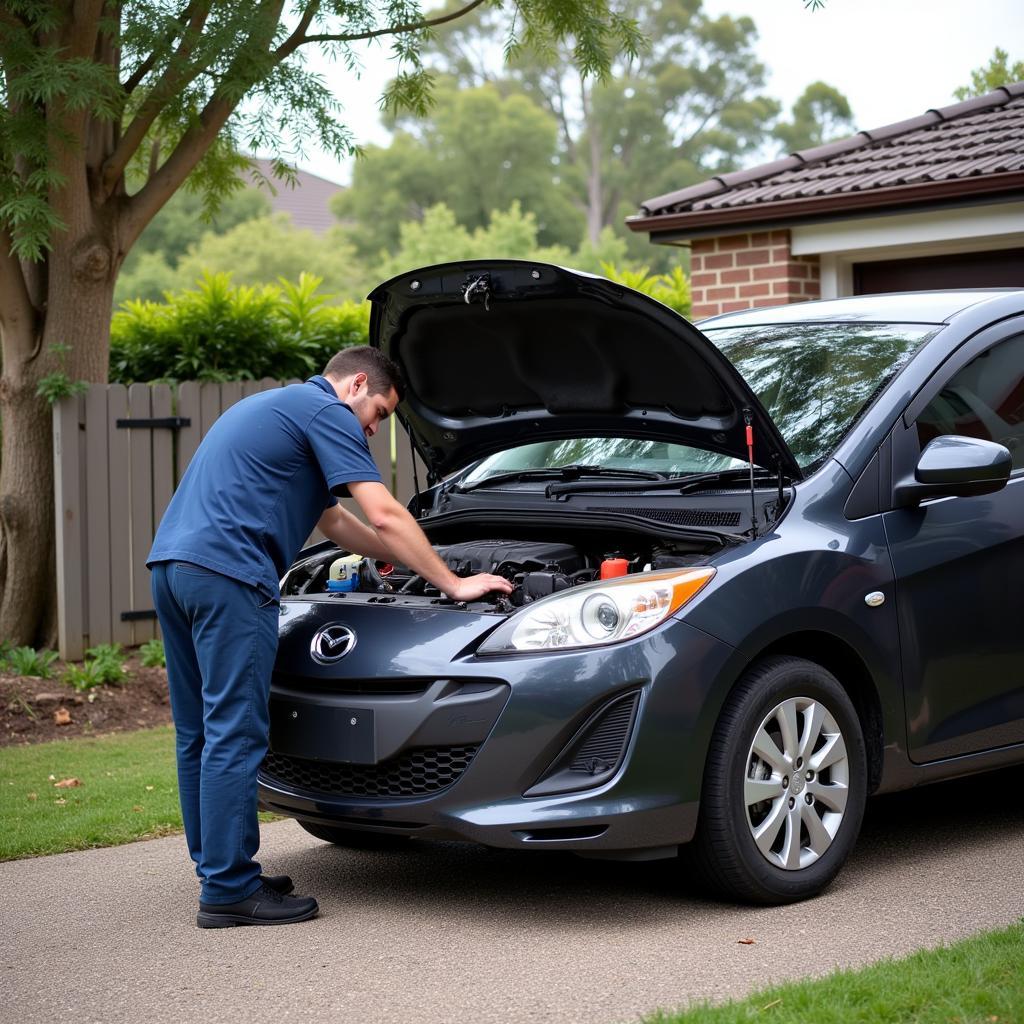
[814, 380]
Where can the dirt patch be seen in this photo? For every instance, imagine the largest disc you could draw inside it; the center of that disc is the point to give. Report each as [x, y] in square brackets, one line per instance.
[31, 708]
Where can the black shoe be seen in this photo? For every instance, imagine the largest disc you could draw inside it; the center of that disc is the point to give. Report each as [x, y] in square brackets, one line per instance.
[279, 883]
[264, 906]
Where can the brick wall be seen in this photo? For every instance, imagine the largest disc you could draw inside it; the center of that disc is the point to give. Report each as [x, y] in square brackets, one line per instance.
[755, 269]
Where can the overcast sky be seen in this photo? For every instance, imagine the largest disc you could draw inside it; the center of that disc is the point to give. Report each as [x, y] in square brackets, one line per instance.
[893, 59]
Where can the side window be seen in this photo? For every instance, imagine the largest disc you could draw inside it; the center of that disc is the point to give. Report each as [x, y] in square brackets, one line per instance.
[984, 399]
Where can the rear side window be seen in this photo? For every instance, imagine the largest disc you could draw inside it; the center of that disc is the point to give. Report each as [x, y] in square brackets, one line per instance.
[984, 399]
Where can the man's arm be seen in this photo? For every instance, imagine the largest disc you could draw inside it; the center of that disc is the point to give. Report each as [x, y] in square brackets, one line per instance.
[407, 544]
[339, 525]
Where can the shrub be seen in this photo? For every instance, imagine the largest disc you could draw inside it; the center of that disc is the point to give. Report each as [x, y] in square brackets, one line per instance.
[27, 661]
[152, 654]
[219, 331]
[103, 663]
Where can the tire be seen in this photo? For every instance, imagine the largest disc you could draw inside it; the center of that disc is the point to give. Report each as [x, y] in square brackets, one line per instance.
[354, 838]
[791, 844]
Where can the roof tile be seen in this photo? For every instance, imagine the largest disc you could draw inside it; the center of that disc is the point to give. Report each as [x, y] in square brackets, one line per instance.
[981, 136]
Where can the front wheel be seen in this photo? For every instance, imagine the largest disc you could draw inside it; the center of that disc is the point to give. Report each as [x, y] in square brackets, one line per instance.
[784, 787]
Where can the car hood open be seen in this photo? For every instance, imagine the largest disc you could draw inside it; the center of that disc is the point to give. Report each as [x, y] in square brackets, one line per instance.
[499, 353]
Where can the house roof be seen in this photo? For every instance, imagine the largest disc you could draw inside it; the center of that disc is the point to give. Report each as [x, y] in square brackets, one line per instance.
[307, 203]
[968, 149]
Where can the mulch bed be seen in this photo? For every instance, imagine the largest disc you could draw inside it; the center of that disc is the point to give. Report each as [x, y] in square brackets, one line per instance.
[30, 708]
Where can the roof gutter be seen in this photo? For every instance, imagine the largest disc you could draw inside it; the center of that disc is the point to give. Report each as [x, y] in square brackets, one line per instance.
[817, 206]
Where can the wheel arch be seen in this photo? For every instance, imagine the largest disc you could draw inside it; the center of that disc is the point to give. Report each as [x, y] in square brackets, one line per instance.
[838, 657]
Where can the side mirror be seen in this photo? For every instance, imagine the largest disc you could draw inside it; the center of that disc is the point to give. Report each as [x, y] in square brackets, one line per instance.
[953, 466]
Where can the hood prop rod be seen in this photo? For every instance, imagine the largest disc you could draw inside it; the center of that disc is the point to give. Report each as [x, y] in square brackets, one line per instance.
[415, 475]
[748, 419]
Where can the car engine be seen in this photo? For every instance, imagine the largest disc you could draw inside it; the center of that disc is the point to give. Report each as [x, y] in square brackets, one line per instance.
[535, 568]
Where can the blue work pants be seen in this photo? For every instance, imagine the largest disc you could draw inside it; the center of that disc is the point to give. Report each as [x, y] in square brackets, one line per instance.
[220, 638]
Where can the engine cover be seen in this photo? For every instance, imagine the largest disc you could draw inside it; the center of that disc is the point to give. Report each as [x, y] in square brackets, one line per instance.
[509, 557]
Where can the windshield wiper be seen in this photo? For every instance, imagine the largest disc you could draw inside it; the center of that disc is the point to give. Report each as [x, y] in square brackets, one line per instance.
[562, 473]
[680, 484]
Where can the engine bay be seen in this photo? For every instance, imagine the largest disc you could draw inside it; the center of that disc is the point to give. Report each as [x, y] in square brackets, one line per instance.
[536, 569]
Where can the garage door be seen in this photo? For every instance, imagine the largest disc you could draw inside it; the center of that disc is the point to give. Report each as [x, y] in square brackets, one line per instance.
[1003, 268]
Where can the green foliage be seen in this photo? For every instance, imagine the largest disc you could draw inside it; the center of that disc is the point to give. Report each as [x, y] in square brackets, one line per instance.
[152, 655]
[27, 661]
[999, 71]
[477, 152]
[103, 664]
[219, 331]
[57, 385]
[671, 288]
[821, 114]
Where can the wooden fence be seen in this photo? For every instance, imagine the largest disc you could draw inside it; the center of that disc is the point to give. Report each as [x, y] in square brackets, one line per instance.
[119, 452]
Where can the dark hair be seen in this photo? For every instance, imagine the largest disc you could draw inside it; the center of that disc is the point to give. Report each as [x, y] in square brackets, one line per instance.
[382, 374]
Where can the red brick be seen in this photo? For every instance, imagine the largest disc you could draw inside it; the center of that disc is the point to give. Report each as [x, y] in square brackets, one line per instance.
[700, 280]
[780, 237]
[735, 276]
[748, 291]
[800, 270]
[771, 272]
[816, 270]
[733, 242]
[698, 312]
[786, 286]
[730, 307]
[721, 293]
[781, 254]
[760, 238]
[697, 295]
[696, 264]
[717, 261]
[703, 245]
[752, 257]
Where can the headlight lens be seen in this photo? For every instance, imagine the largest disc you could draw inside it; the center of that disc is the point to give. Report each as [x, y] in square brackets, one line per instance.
[597, 613]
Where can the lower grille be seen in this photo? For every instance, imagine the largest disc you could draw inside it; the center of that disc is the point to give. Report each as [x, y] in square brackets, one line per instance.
[414, 773]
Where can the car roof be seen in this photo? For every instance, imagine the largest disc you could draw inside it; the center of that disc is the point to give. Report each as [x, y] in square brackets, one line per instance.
[930, 307]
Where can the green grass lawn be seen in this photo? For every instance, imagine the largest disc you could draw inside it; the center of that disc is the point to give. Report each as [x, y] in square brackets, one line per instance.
[977, 981]
[129, 789]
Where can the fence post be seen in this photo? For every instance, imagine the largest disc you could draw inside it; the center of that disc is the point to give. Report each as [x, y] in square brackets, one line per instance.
[69, 515]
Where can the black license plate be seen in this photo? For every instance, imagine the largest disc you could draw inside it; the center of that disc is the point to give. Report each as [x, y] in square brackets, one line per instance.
[321, 733]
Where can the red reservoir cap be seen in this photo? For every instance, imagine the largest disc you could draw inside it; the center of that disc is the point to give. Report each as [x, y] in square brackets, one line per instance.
[612, 567]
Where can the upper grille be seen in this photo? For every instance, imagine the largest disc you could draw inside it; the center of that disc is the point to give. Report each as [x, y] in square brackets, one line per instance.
[680, 516]
[413, 773]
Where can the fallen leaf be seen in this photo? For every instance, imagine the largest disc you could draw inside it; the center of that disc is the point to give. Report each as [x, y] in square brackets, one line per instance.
[744, 942]
[62, 717]
[67, 783]
[33, 796]
[149, 789]
[52, 778]
[137, 809]
[60, 801]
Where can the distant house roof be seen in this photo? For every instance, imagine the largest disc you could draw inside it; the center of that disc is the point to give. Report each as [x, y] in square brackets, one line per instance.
[308, 203]
[974, 148]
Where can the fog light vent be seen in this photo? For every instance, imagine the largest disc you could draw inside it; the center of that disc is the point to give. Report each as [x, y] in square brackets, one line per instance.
[595, 753]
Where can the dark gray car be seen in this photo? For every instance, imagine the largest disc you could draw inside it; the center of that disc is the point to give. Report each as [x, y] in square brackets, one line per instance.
[762, 570]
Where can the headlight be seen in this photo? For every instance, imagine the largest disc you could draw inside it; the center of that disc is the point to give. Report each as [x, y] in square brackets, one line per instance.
[597, 613]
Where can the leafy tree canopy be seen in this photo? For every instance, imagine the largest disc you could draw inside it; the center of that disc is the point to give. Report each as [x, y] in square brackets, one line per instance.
[998, 71]
[822, 114]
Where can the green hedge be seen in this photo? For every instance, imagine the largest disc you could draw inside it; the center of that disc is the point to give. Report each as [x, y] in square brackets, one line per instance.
[221, 332]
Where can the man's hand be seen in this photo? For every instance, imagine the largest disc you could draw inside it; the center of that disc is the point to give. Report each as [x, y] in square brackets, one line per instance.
[469, 588]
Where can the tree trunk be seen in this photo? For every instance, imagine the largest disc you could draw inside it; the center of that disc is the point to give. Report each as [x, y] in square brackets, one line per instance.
[78, 308]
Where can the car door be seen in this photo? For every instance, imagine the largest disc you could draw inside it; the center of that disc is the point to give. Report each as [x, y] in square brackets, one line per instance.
[959, 561]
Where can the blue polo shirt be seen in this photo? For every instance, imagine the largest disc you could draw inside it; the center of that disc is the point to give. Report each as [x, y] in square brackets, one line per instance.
[260, 480]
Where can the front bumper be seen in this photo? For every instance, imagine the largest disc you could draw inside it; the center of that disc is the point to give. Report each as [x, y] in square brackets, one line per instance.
[459, 740]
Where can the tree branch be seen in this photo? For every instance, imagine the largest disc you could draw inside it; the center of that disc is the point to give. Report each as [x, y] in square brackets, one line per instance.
[298, 37]
[16, 309]
[393, 30]
[172, 80]
[147, 65]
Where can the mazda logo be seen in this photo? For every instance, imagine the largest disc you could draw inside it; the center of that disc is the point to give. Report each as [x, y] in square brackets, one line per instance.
[331, 644]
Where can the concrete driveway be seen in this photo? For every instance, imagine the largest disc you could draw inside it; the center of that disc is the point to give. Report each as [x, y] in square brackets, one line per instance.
[452, 933]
